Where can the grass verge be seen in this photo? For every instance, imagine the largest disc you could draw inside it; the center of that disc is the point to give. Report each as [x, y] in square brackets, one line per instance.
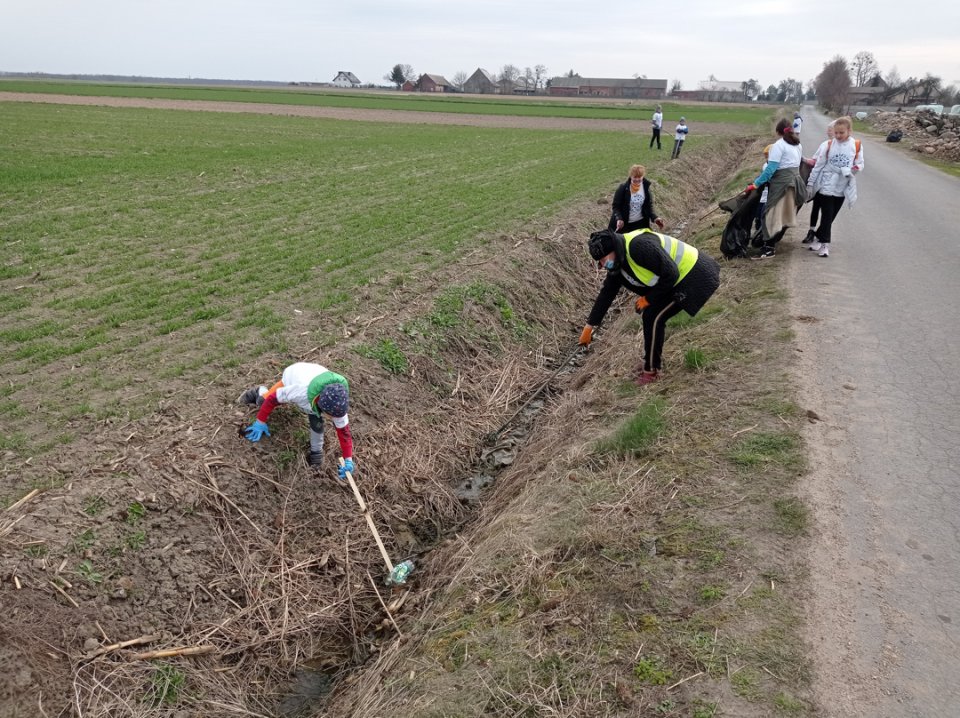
[639, 558]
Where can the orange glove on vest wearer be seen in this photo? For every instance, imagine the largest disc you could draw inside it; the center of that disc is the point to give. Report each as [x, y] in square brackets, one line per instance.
[586, 336]
[642, 304]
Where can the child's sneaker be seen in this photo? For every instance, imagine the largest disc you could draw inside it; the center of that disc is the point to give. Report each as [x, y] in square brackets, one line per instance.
[815, 247]
[249, 397]
[810, 238]
[767, 253]
[824, 250]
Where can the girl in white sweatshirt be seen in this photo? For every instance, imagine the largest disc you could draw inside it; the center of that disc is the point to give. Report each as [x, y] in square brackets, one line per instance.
[833, 179]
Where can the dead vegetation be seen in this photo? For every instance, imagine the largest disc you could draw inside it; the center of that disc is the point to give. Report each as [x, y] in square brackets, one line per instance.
[586, 584]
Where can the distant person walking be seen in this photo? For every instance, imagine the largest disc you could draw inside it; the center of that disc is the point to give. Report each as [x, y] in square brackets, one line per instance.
[669, 275]
[633, 204]
[657, 123]
[678, 138]
[834, 180]
[797, 123]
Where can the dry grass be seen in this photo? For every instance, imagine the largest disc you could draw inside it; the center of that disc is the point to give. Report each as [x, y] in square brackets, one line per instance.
[251, 552]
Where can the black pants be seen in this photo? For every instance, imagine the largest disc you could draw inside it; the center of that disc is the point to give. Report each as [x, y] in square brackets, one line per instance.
[655, 319]
[677, 144]
[815, 210]
[829, 209]
[656, 136]
[642, 223]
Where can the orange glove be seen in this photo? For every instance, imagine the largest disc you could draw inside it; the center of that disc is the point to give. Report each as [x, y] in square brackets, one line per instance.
[642, 304]
[586, 336]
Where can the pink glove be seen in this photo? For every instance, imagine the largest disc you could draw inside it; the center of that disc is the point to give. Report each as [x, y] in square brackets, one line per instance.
[750, 187]
[658, 222]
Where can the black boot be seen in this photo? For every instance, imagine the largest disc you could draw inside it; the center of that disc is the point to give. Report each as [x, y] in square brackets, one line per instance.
[315, 458]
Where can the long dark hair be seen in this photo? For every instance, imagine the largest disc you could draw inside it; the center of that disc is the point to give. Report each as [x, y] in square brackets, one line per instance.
[785, 130]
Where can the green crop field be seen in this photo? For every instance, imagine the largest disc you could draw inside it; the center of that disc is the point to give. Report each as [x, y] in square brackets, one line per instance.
[752, 116]
[141, 248]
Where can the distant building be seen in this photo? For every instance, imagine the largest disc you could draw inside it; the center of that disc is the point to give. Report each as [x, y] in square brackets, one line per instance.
[409, 86]
[875, 92]
[433, 83]
[480, 82]
[608, 87]
[346, 79]
[721, 91]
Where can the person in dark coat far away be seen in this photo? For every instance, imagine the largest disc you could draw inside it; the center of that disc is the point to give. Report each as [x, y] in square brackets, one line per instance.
[669, 275]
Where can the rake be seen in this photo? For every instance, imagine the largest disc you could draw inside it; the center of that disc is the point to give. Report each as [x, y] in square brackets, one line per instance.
[397, 575]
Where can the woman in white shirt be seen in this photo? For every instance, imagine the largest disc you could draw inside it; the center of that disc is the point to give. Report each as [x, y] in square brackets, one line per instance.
[786, 189]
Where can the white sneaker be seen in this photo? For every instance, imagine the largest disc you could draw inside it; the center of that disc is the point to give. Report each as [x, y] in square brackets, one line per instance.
[824, 250]
[815, 247]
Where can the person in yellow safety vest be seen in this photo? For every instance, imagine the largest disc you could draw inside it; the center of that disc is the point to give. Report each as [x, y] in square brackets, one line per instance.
[669, 275]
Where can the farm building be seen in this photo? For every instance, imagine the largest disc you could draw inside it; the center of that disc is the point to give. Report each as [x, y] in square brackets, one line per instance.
[409, 86]
[480, 82]
[721, 90]
[608, 87]
[433, 83]
[346, 79]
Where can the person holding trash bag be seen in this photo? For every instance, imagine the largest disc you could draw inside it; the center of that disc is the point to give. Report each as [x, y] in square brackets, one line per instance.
[787, 188]
[667, 274]
[316, 391]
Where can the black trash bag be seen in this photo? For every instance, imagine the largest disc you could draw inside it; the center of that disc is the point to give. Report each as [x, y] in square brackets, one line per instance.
[743, 213]
[895, 136]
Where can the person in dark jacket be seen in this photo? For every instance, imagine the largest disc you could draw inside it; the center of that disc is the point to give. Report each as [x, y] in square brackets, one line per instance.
[633, 203]
[669, 275]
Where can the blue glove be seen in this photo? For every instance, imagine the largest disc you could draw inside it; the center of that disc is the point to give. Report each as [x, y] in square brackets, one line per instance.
[256, 430]
[347, 466]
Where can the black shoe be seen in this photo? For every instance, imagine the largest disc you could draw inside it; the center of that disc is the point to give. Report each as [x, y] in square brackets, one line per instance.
[766, 253]
[315, 458]
[810, 238]
[249, 397]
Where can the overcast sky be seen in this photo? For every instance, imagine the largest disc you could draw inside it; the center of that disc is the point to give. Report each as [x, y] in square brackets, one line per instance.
[303, 40]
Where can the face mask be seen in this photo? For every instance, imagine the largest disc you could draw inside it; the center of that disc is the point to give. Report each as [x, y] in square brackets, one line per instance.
[610, 265]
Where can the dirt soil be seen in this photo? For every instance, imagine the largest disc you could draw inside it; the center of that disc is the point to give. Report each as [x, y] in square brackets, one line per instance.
[176, 533]
[344, 113]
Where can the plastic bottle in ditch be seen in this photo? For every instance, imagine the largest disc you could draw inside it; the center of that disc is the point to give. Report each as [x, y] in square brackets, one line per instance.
[400, 572]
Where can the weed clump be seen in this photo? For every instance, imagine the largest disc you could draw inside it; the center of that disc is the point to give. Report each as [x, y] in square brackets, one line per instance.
[639, 433]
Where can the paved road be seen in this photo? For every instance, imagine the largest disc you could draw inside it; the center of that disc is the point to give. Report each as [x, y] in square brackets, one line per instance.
[878, 326]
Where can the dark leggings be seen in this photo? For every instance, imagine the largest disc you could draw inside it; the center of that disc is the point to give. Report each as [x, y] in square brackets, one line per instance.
[316, 432]
[656, 136]
[829, 208]
[815, 211]
[655, 319]
[677, 144]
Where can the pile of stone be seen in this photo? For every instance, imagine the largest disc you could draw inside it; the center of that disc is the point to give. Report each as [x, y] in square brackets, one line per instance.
[936, 136]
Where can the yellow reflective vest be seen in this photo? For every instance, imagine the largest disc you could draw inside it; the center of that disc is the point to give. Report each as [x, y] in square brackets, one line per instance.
[684, 256]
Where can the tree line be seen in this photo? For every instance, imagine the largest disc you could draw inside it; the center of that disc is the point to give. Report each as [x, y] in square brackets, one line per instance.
[833, 84]
[831, 88]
